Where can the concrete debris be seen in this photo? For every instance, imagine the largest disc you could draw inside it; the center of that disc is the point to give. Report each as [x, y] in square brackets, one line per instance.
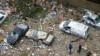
[32, 54]
[39, 42]
[51, 15]
[28, 49]
[6, 25]
[3, 47]
[94, 54]
[70, 10]
[42, 46]
[59, 39]
[56, 54]
[84, 47]
[49, 49]
[36, 46]
[22, 41]
[1, 31]
[12, 51]
[18, 49]
[97, 35]
[51, 53]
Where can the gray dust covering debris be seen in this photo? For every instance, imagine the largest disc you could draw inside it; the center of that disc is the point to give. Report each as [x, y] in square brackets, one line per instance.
[46, 17]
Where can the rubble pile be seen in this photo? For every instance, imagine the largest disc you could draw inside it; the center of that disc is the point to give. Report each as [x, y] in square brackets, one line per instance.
[44, 31]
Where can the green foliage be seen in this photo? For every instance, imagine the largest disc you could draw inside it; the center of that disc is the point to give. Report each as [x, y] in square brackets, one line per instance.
[28, 9]
[6, 22]
[24, 54]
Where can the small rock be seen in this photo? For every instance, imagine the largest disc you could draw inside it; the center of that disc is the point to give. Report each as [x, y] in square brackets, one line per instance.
[97, 35]
[59, 32]
[32, 54]
[20, 49]
[42, 46]
[6, 48]
[70, 10]
[8, 12]
[23, 21]
[17, 49]
[4, 52]
[1, 31]
[84, 47]
[44, 8]
[12, 51]
[56, 54]
[28, 48]
[19, 22]
[51, 53]
[58, 39]
[49, 49]
[94, 54]
[6, 25]
[22, 40]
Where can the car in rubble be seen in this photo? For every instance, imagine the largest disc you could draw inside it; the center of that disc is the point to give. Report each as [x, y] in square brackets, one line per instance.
[16, 35]
[3, 16]
[48, 40]
[40, 35]
[75, 28]
[91, 18]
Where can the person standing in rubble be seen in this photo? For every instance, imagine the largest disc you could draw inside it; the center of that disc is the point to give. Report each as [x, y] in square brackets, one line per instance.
[70, 48]
[79, 48]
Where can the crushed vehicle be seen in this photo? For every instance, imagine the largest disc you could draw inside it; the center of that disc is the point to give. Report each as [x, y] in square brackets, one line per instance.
[3, 16]
[17, 33]
[91, 18]
[40, 35]
[48, 40]
[75, 28]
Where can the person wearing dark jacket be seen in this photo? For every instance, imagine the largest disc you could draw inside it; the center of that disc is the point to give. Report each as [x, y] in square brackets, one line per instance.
[79, 48]
[70, 48]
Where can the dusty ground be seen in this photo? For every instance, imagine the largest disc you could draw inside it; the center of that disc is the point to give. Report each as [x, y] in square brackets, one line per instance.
[28, 47]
